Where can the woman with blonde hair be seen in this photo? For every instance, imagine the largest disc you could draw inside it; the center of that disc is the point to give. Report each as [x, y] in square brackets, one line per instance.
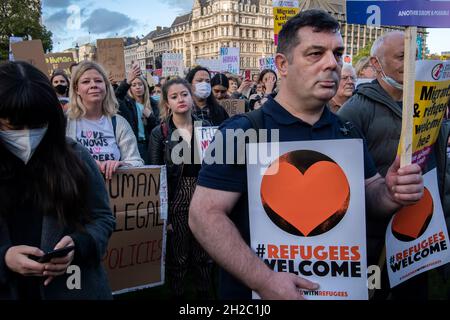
[94, 123]
[138, 108]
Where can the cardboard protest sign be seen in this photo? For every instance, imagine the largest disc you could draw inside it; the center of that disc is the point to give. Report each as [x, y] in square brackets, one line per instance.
[59, 61]
[230, 60]
[30, 51]
[432, 91]
[420, 13]
[110, 54]
[267, 63]
[417, 238]
[233, 106]
[282, 11]
[135, 254]
[203, 137]
[307, 214]
[172, 65]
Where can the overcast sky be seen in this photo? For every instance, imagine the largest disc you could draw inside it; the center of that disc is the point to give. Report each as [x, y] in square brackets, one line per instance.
[82, 21]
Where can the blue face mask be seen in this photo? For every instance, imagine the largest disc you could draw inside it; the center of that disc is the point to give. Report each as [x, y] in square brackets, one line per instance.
[22, 143]
[390, 81]
[156, 97]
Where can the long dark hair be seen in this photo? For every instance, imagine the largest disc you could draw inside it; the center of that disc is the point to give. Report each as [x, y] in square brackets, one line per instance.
[55, 181]
[211, 101]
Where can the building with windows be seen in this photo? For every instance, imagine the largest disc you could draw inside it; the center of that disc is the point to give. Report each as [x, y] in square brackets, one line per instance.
[248, 25]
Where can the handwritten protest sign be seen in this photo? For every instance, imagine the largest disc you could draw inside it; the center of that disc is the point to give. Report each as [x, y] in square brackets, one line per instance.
[204, 136]
[306, 206]
[417, 238]
[31, 52]
[135, 254]
[233, 106]
[230, 59]
[282, 11]
[172, 65]
[267, 63]
[59, 61]
[110, 54]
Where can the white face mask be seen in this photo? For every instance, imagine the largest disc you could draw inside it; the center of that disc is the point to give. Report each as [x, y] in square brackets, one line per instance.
[202, 90]
[23, 143]
[390, 81]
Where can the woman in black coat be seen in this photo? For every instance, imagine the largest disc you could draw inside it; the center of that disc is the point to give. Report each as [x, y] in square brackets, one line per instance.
[52, 196]
[138, 108]
[173, 144]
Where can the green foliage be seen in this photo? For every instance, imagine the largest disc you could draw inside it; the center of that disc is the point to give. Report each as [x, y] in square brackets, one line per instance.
[364, 52]
[21, 18]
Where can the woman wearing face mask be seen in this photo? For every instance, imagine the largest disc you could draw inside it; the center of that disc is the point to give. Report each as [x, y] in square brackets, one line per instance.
[206, 106]
[60, 83]
[92, 121]
[138, 109]
[182, 248]
[51, 193]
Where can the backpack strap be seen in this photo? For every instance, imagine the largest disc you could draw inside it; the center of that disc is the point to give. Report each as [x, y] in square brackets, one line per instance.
[114, 124]
[256, 118]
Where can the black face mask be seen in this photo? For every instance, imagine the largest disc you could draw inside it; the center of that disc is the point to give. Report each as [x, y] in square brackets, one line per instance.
[61, 89]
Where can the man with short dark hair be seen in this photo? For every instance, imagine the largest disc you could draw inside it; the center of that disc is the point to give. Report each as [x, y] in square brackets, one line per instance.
[309, 61]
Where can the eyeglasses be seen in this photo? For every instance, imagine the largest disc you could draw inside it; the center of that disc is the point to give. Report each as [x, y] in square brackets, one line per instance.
[348, 78]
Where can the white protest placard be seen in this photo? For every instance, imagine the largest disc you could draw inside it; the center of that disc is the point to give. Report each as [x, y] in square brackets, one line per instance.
[307, 214]
[172, 65]
[11, 41]
[230, 60]
[204, 136]
[267, 63]
[417, 238]
[213, 65]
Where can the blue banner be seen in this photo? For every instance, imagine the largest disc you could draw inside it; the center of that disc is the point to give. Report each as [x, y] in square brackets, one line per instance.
[420, 13]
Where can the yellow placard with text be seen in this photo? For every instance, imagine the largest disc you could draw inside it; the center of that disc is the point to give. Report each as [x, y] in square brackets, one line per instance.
[432, 93]
[282, 12]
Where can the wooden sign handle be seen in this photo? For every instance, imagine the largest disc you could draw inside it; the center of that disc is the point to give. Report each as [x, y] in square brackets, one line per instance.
[406, 138]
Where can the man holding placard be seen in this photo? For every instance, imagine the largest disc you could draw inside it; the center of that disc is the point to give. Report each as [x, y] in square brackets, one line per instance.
[309, 61]
[376, 109]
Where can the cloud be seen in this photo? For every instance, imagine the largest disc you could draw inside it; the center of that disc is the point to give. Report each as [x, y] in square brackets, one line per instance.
[57, 3]
[182, 4]
[103, 21]
[57, 20]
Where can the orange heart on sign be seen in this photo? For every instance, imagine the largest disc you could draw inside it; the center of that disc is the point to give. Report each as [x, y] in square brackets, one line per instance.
[410, 221]
[306, 200]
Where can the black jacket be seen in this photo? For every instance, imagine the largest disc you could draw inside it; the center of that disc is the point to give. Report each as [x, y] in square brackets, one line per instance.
[128, 110]
[160, 150]
[214, 115]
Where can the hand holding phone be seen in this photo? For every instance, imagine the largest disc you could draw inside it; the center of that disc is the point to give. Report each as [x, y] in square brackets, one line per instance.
[59, 253]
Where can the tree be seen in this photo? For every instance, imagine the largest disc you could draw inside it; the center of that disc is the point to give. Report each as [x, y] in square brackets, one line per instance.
[364, 52]
[22, 18]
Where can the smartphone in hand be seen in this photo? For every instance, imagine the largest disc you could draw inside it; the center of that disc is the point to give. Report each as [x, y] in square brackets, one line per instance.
[248, 75]
[59, 253]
